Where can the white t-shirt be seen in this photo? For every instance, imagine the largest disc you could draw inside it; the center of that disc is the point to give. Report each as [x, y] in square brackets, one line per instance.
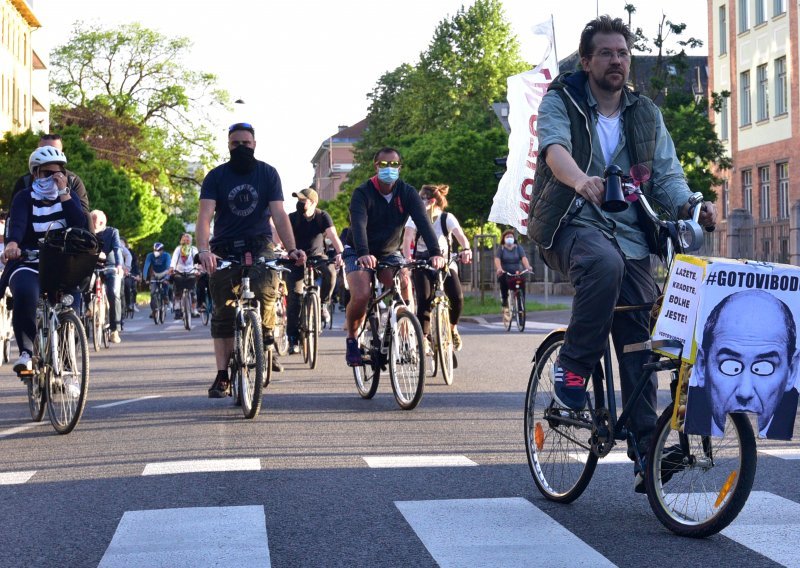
[608, 132]
[452, 224]
[183, 265]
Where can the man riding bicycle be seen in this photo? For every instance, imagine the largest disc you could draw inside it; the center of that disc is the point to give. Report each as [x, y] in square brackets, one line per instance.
[241, 195]
[184, 274]
[379, 210]
[156, 266]
[588, 120]
[310, 226]
[114, 271]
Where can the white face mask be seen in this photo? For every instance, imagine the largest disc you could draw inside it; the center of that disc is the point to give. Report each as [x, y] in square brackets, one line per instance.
[509, 240]
[156, 253]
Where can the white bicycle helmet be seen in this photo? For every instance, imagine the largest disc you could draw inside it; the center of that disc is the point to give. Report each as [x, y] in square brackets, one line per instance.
[46, 155]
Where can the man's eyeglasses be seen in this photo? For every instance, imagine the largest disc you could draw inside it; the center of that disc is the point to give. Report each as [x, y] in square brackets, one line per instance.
[48, 173]
[392, 164]
[608, 54]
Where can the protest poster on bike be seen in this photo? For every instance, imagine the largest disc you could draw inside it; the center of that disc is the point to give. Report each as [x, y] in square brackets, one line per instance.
[747, 357]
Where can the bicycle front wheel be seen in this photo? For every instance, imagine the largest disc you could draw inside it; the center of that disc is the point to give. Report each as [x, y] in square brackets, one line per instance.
[251, 377]
[431, 354]
[520, 311]
[205, 312]
[186, 306]
[368, 374]
[444, 342]
[407, 360]
[106, 324]
[37, 392]
[512, 311]
[279, 331]
[697, 485]
[68, 380]
[312, 332]
[559, 453]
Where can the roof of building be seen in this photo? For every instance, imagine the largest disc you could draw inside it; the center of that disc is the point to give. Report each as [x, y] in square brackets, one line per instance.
[351, 133]
[25, 9]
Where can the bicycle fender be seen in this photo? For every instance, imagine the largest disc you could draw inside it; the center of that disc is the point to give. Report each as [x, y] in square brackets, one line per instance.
[558, 331]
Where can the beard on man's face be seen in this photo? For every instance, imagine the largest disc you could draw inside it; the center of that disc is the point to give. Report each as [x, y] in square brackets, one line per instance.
[612, 80]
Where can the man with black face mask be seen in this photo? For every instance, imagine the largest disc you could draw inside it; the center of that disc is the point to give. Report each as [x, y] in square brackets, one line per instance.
[310, 227]
[241, 195]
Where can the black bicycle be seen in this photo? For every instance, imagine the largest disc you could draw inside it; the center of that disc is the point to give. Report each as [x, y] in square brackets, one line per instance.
[310, 324]
[696, 485]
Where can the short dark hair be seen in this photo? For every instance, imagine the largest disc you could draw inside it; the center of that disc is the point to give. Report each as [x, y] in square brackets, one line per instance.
[386, 150]
[50, 136]
[242, 126]
[603, 25]
[716, 313]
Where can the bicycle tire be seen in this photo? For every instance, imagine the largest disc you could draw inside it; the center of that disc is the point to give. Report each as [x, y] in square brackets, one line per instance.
[106, 325]
[163, 316]
[6, 350]
[431, 355]
[66, 394]
[444, 340]
[520, 315]
[279, 331]
[304, 325]
[251, 377]
[367, 375]
[560, 462]
[512, 306]
[97, 324]
[406, 360]
[205, 313]
[36, 385]
[713, 489]
[186, 306]
[314, 330]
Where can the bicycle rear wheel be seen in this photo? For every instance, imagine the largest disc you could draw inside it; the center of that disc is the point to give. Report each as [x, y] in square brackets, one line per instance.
[559, 454]
[97, 323]
[186, 306]
[368, 374]
[68, 384]
[697, 485]
[312, 333]
[251, 377]
[36, 383]
[106, 324]
[205, 312]
[406, 360]
[520, 315]
[444, 342]
[279, 331]
[431, 355]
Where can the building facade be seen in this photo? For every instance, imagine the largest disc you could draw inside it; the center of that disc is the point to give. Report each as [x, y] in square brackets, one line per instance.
[335, 159]
[18, 83]
[753, 54]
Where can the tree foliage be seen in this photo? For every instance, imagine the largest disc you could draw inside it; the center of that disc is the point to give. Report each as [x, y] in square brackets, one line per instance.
[15, 149]
[438, 112]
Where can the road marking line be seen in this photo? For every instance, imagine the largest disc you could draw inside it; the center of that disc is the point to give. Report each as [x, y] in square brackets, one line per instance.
[129, 401]
[612, 457]
[15, 477]
[495, 532]
[418, 461]
[783, 453]
[198, 536]
[769, 525]
[18, 429]
[202, 466]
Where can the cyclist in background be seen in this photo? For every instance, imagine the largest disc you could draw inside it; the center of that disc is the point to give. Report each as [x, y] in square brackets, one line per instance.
[131, 266]
[184, 274]
[112, 275]
[156, 263]
[444, 224]
[379, 209]
[509, 257]
[310, 227]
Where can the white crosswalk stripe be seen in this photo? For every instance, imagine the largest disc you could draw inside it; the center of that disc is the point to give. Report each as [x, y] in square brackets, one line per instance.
[495, 532]
[15, 477]
[192, 537]
[418, 461]
[783, 453]
[202, 466]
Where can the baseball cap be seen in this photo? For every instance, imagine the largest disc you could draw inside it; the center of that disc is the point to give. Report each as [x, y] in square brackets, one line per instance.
[307, 193]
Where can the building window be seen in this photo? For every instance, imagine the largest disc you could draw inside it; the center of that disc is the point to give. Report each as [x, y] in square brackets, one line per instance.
[747, 190]
[761, 11]
[723, 119]
[726, 199]
[744, 20]
[763, 92]
[723, 30]
[783, 190]
[744, 98]
[778, 7]
[781, 87]
[763, 181]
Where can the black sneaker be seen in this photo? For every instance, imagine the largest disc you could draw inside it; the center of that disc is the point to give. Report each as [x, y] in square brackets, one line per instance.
[276, 365]
[219, 389]
[569, 389]
[353, 354]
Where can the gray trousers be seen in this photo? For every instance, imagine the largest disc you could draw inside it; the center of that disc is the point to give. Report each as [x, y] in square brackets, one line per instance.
[603, 278]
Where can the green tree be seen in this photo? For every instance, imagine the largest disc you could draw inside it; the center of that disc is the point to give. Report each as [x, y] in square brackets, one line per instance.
[15, 149]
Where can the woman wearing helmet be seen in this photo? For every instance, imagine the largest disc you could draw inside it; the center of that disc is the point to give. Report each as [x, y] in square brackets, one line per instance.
[46, 204]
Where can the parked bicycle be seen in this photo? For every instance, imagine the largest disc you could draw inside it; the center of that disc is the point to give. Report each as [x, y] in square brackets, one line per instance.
[696, 485]
[159, 296]
[59, 379]
[393, 339]
[250, 365]
[516, 300]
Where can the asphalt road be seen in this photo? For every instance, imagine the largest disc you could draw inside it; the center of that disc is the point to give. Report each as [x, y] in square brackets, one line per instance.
[323, 478]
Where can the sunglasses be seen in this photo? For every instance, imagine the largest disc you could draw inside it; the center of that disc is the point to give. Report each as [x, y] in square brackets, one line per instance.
[392, 164]
[48, 173]
[240, 126]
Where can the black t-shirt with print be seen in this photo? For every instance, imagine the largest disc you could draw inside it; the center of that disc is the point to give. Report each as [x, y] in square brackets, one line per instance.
[242, 210]
[309, 234]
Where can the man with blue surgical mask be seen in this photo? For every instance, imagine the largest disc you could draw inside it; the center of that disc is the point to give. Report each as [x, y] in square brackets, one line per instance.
[379, 210]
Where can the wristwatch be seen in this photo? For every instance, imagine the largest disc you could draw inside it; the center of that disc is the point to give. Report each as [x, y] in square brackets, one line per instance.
[64, 191]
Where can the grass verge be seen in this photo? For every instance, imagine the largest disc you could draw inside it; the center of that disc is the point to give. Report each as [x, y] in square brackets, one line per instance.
[491, 305]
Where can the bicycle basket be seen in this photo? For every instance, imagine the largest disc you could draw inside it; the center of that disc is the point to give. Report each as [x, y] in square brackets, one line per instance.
[516, 281]
[67, 258]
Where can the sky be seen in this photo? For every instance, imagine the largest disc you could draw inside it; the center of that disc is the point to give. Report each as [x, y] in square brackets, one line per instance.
[304, 67]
